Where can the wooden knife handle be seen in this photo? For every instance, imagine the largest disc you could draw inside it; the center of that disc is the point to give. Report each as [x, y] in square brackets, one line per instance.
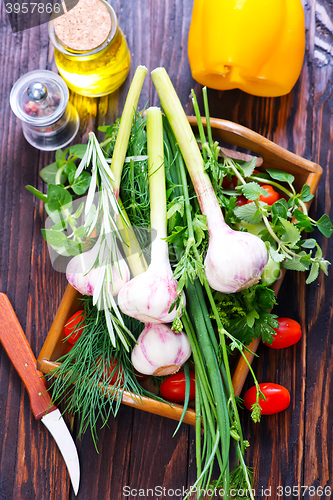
[19, 351]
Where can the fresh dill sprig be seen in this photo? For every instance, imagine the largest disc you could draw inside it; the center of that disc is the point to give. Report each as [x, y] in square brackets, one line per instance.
[91, 379]
[238, 483]
[134, 188]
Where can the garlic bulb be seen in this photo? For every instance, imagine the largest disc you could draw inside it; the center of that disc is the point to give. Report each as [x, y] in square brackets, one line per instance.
[160, 351]
[148, 296]
[234, 260]
[83, 274]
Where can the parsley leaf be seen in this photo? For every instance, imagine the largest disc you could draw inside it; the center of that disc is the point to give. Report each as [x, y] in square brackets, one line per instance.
[305, 193]
[249, 166]
[249, 213]
[199, 227]
[175, 206]
[279, 209]
[313, 274]
[294, 263]
[291, 233]
[245, 314]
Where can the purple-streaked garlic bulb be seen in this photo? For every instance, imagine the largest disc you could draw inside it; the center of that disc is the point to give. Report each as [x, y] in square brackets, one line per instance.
[160, 351]
[83, 274]
[234, 260]
[148, 296]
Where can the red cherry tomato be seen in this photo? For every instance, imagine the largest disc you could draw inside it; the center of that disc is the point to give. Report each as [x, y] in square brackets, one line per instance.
[226, 183]
[74, 327]
[173, 388]
[271, 197]
[277, 398]
[241, 200]
[288, 333]
[234, 180]
[112, 368]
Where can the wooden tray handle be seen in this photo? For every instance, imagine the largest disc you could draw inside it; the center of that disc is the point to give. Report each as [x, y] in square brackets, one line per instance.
[273, 154]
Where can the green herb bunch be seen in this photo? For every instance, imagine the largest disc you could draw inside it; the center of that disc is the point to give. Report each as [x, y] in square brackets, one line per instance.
[66, 235]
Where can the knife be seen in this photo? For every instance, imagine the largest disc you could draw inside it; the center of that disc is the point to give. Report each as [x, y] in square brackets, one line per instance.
[19, 352]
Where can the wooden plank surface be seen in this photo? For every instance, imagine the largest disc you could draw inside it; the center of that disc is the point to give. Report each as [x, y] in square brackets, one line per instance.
[290, 449]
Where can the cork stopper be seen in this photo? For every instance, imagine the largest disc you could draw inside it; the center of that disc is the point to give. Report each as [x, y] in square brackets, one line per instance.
[84, 27]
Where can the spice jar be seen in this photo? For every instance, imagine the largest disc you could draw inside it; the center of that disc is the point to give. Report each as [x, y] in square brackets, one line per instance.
[40, 100]
[90, 50]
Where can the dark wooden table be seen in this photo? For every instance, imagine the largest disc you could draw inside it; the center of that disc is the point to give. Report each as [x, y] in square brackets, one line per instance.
[137, 450]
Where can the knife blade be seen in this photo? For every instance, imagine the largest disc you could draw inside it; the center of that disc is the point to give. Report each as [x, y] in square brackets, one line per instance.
[19, 352]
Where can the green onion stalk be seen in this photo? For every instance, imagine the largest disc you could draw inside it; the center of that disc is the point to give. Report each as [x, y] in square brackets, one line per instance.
[216, 406]
[213, 397]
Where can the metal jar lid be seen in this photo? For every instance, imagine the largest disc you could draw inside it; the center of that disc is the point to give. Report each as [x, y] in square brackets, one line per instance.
[39, 98]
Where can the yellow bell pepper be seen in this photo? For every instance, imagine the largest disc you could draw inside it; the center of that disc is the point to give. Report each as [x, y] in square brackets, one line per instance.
[254, 45]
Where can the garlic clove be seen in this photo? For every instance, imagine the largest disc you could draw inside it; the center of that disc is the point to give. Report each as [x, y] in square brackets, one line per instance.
[160, 351]
[234, 261]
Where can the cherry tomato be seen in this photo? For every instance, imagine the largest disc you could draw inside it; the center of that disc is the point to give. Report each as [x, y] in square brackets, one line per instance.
[271, 197]
[277, 398]
[241, 200]
[226, 183]
[288, 333]
[111, 368]
[234, 180]
[173, 388]
[74, 327]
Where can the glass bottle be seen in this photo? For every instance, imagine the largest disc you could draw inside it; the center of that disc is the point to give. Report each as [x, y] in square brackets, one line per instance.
[95, 72]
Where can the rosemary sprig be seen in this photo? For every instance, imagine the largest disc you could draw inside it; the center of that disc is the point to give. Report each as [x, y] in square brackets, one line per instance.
[106, 212]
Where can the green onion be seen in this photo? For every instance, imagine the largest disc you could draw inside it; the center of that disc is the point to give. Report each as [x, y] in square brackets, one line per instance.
[126, 121]
[188, 146]
[157, 191]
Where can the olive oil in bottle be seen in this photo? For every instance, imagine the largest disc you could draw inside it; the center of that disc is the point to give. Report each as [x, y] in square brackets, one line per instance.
[91, 52]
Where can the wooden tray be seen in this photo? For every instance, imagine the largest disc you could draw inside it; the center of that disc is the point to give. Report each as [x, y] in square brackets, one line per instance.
[270, 156]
